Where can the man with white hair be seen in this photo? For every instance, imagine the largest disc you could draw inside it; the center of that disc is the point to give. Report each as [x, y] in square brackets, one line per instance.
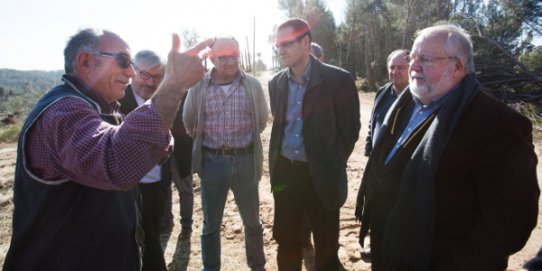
[451, 183]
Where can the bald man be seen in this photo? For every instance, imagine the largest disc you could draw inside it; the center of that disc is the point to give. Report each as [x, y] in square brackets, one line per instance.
[225, 114]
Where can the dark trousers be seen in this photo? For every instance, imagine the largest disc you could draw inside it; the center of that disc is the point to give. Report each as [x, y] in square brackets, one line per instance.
[296, 199]
[186, 200]
[153, 197]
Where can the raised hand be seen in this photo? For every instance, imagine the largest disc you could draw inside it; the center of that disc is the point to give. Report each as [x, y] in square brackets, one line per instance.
[183, 70]
[186, 68]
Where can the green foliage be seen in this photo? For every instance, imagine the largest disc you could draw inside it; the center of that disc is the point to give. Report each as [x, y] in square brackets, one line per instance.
[291, 8]
[20, 103]
[320, 19]
[533, 60]
[530, 111]
[10, 133]
[24, 81]
[503, 30]
[322, 25]
[21, 89]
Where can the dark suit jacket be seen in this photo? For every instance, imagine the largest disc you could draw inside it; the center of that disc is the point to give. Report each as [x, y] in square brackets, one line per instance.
[330, 127]
[486, 189]
[377, 107]
[128, 102]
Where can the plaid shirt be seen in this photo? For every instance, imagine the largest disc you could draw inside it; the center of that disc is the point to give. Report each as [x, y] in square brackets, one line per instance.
[228, 121]
[71, 141]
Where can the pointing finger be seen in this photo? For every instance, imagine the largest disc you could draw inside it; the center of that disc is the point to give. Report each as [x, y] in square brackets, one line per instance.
[196, 49]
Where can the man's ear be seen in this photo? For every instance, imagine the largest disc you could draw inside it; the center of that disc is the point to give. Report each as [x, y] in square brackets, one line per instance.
[459, 68]
[307, 41]
[84, 62]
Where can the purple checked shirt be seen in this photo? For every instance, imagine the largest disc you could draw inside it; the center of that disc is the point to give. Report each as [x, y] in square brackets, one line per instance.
[71, 141]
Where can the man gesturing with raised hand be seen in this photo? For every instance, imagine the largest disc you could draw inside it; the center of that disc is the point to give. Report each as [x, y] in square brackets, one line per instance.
[183, 70]
[78, 160]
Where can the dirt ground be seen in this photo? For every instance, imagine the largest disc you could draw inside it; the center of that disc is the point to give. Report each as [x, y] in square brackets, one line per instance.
[233, 252]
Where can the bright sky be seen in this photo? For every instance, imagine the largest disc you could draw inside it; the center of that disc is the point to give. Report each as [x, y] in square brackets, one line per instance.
[34, 32]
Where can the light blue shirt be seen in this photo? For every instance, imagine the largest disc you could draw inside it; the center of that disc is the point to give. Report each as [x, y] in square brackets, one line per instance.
[293, 147]
[419, 115]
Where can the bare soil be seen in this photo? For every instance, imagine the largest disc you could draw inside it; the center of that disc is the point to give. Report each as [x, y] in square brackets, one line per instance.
[233, 251]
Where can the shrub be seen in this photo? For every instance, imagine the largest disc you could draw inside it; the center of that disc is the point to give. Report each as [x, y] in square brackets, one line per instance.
[10, 133]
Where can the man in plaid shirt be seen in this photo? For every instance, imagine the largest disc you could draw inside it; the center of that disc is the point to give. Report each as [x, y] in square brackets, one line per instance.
[224, 114]
[77, 162]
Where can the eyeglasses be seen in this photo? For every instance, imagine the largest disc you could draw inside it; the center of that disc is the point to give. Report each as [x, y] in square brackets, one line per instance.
[123, 60]
[287, 44]
[233, 58]
[146, 76]
[426, 60]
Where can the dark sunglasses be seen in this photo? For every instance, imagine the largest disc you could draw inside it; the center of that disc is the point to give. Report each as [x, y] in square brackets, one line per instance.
[233, 58]
[123, 60]
[286, 44]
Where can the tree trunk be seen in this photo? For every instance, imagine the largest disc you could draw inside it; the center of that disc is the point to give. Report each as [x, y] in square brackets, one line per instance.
[351, 35]
[407, 23]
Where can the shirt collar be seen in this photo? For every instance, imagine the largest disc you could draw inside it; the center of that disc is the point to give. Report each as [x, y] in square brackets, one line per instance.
[138, 98]
[392, 92]
[208, 76]
[306, 73]
[436, 102]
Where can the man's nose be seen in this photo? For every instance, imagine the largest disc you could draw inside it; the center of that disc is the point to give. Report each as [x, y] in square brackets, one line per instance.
[130, 71]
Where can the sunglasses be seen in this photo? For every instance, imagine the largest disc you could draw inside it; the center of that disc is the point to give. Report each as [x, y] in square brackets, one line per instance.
[233, 58]
[287, 44]
[123, 60]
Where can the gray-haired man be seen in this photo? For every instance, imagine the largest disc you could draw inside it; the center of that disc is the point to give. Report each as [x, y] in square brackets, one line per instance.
[152, 187]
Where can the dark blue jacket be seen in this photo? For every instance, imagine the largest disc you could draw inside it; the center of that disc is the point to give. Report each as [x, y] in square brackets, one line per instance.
[69, 226]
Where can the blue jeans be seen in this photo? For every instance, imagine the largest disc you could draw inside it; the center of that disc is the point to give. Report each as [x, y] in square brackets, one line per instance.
[220, 173]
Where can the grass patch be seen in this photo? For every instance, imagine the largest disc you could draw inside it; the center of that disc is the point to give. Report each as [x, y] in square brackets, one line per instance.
[10, 133]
